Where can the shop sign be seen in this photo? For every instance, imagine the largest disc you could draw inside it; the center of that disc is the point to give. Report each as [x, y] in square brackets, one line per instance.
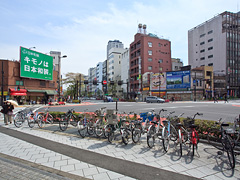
[35, 65]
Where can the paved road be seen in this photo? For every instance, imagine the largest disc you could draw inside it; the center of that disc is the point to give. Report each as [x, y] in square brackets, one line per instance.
[210, 110]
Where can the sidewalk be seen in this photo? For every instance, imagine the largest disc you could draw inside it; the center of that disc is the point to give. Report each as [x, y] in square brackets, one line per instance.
[97, 159]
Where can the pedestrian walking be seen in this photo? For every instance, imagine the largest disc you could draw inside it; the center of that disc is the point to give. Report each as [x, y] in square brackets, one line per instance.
[215, 98]
[7, 110]
[225, 99]
[4, 110]
[173, 99]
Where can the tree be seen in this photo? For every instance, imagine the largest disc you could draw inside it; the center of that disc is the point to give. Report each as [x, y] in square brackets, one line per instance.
[72, 83]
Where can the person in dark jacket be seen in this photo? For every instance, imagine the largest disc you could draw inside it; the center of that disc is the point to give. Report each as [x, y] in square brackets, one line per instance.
[4, 111]
[8, 112]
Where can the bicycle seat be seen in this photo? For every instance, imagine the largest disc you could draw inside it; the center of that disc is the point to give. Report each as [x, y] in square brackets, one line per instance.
[179, 125]
[154, 122]
[193, 126]
[164, 121]
[224, 124]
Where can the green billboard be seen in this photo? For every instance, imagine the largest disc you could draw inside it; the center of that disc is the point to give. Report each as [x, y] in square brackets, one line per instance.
[35, 65]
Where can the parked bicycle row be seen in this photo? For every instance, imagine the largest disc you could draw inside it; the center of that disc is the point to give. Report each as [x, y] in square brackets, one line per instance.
[164, 126]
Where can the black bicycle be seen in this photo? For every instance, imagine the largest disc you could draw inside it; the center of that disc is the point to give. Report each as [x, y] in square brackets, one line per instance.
[220, 137]
[68, 118]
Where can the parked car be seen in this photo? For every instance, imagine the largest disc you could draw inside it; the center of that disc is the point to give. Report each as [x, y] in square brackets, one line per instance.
[54, 103]
[154, 99]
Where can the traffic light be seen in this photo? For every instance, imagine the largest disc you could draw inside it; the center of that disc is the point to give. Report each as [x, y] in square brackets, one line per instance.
[120, 83]
[85, 81]
[95, 82]
[111, 82]
[18, 88]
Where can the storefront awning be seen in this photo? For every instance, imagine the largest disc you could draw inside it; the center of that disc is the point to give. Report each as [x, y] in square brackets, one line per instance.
[20, 92]
[51, 92]
[48, 92]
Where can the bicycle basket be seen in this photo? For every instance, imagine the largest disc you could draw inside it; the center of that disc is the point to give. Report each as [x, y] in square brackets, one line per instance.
[188, 122]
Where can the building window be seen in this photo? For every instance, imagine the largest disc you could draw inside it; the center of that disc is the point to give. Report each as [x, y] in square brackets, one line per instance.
[160, 61]
[149, 53]
[149, 44]
[159, 44]
[149, 67]
[210, 40]
[203, 50]
[160, 69]
[210, 48]
[210, 32]
[210, 56]
[19, 83]
[210, 64]
[149, 59]
[202, 58]
[43, 83]
[202, 43]
[202, 35]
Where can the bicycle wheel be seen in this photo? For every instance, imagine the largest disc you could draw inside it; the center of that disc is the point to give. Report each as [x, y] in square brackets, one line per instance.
[174, 133]
[90, 128]
[98, 130]
[229, 149]
[179, 143]
[136, 135]
[18, 119]
[41, 122]
[110, 136]
[50, 119]
[125, 136]
[214, 138]
[82, 129]
[165, 139]
[31, 121]
[151, 136]
[105, 131]
[184, 135]
[63, 123]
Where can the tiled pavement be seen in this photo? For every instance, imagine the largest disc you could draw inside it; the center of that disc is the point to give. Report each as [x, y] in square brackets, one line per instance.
[208, 166]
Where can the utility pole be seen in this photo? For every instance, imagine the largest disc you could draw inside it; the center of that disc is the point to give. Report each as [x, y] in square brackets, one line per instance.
[80, 83]
[2, 85]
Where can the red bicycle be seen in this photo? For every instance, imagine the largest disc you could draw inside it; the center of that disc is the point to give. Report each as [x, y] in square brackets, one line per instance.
[44, 118]
[193, 137]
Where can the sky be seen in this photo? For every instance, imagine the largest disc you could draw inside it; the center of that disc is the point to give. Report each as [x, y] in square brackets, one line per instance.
[81, 29]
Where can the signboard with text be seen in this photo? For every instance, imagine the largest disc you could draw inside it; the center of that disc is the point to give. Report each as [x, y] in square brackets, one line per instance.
[178, 80]
[35, 65]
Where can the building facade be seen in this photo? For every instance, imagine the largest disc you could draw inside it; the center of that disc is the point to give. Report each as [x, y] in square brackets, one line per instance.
[216, 43]
[148, 53]
[125, 73]
[25, 90]
[176, 64]
[114, 44]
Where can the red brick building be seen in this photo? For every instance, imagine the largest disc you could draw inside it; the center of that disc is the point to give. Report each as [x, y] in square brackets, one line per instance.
[25, 89]
[148, 53]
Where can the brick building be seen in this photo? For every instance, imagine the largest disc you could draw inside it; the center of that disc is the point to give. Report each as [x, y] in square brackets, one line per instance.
[22, 89]
[148, 53]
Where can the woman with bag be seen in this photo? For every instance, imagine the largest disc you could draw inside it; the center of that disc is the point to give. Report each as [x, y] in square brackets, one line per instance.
[9, 114]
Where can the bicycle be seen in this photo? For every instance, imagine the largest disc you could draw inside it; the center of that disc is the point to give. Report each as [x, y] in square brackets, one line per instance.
[220, 138]
[193, 137]
[182, 134]
[141, 125]
[116, 128]
[99, 125]
[168, 132]
[20, 117]
[85, 125]
[66, 119]
[44, 118]
[154, 131]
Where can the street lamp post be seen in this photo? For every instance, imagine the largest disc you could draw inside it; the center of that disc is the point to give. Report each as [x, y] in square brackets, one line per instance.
[159, 78]
[59, 78]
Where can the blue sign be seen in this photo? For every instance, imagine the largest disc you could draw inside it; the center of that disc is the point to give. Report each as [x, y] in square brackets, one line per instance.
[178, 80]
